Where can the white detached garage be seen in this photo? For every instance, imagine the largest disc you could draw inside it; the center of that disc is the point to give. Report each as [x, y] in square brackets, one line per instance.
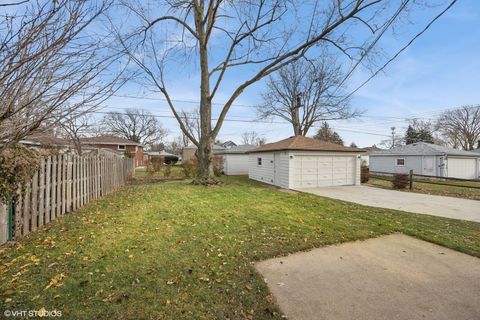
[301, 162]
[427, 159]
[235, 159]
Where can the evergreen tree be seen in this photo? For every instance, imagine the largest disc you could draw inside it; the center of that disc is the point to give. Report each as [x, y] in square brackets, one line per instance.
[420, 135]
[411, 136]
[325, 133]
[423, 135]
[353, 145]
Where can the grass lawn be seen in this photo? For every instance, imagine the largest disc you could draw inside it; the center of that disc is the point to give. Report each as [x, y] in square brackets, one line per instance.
[178, 251]
[437, 189]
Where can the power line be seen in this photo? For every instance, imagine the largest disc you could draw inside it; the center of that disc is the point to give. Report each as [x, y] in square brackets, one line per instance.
[255, 121]
[411, 115]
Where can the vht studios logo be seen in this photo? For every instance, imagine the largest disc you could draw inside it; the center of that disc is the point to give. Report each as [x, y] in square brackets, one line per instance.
[41, 313]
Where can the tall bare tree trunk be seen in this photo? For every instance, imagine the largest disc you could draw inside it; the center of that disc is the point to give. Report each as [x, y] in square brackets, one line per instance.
[204, 151]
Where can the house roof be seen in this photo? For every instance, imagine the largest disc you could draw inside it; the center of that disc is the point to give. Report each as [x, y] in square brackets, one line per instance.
[371, 149]
[214, 147]
[162, 153]
[301, 143]
[228, 144]
[424, 149]
[107, 139]
[241, 149]
[45, 140]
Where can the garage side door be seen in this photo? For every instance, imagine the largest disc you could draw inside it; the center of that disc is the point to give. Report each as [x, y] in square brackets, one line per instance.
[461, 168]
[323, 171]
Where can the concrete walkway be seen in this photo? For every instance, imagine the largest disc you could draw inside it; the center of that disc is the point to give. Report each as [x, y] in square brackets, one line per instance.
[441, 206]
[391, 277]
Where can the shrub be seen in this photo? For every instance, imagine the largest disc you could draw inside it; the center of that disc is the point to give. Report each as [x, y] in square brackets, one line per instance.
[17, 166]
[400, 181]
[190, 167]
[167, 170]
[217, 165]
[364, 174]
[154, 165]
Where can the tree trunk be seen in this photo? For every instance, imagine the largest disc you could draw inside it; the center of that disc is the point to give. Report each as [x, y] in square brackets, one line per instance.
[204, 155]
[204, 151]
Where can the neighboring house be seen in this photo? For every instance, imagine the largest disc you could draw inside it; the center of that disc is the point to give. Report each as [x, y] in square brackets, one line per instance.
[228, 144]
[365, 157]
[46, 141]
[169, 158]
[301, 162]
[235, 159]
[189, 151]
[427, 159]
[119, 144]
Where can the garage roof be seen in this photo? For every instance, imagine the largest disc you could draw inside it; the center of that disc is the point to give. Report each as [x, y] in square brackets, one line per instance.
[241, 149]
[424, 149]
[301, 143]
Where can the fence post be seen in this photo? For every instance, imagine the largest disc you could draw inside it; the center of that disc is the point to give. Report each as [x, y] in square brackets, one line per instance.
[41, 194]
[3, 223]
[10, 218]
[48, 178]
[410, 174]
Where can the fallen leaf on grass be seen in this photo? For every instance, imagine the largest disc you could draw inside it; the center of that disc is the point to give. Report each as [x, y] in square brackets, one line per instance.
[55, 281]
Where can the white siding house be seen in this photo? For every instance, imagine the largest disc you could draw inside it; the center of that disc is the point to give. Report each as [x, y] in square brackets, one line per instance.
[427, 159]
[236, 159]
[301, 162]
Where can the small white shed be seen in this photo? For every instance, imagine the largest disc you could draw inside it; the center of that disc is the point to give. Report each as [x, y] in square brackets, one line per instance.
[235, 159]
[301, 162]
[427, 159]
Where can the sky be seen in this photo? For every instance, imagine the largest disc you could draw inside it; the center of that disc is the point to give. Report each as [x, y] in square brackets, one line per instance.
[438, 72]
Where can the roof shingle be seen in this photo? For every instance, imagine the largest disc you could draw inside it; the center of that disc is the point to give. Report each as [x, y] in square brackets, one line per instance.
[106, 139]
[301, 143]
[423, 149]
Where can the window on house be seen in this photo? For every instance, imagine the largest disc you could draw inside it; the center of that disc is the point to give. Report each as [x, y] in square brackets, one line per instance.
[121, 147]
[259, 161]
[400, 161]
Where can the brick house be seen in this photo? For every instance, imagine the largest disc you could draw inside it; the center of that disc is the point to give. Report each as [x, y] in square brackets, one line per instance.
[118, 144]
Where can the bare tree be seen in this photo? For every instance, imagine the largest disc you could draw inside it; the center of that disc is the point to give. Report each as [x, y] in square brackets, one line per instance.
[191, 121]
[305, 93]
[253, 138]
[395, 139]
[51, 63]
[75, 126]
[461, 127]
[175, 146]
[139, 126]
[257, 38]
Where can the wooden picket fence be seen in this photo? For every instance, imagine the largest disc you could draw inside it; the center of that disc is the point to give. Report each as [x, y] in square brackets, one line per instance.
[63, 184]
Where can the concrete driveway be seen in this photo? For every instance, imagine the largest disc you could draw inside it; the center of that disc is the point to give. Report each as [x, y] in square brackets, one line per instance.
[392, 277]
[441, 206]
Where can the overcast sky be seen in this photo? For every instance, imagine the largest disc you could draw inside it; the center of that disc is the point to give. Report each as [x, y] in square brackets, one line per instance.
[439, 71]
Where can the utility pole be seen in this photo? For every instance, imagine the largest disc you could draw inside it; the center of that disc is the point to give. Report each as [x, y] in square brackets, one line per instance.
[393, 137]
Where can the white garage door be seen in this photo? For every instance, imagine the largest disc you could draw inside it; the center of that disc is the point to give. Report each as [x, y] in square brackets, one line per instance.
[322, 171]
[463, 168]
